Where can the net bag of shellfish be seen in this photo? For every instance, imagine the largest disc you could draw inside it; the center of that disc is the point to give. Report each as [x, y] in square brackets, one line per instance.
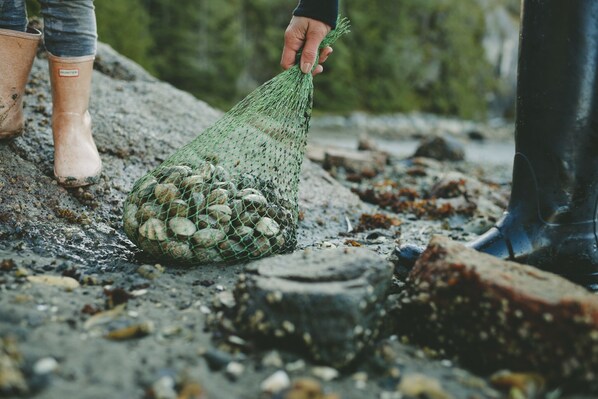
[231, 193]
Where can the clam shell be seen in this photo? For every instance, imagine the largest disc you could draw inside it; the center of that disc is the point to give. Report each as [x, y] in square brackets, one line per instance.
[205, 171]
[228, 186]
[204, 221]
[283, 216]
[147, 187]
[248, 191]
[230, 249]
[178, 250]
[193, 183]
[255, 202]
[249, 218]
[154, 229]
[149, 210]
[151, 247]
[208, 238]
[218, 196]
[221, 174]
[261, 246]
[208, 255]
[237, 209]
[178, 171]
[267, 227]
[198, 200]
[182, 227]
[243, 231]
[130, 223]
[178, 208]
[221, 213]
[277, 242]
[166, 193]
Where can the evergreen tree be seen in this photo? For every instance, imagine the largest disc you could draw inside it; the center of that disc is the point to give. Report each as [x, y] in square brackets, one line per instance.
[125, 26]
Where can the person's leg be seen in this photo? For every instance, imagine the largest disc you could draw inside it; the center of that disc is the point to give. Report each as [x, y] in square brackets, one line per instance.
[13, 15]
[551, 219]
[17, 52]
[70, 38]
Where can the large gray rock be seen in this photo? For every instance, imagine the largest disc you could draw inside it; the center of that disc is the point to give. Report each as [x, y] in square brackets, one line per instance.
[329, 303]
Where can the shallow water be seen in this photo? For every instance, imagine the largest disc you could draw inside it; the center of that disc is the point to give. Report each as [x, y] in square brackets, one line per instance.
[484, 152]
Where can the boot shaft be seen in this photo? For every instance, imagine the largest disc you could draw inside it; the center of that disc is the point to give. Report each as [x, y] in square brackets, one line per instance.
[17, 52]
[71, 83]
[557, 122]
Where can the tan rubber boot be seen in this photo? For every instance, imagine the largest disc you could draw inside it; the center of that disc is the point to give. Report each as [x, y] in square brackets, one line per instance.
[17, 52]
[76, 159]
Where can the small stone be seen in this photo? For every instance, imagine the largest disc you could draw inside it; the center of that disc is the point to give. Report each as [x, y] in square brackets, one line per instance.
[150, 272]
[442, 148]
[164, 388]
[67, 283]
[272, 359]
[130, 332]
[217, 359]
[418, 385]
[45, 365]
[276, 382]
[325, 373]
[235, 370]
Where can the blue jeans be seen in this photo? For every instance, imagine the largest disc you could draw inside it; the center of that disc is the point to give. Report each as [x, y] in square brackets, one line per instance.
[69, 25]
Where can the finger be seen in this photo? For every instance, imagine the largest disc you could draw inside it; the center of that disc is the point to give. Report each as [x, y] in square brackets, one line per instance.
[292, 44]
[326, 51]
[317, 70]
[310, 49]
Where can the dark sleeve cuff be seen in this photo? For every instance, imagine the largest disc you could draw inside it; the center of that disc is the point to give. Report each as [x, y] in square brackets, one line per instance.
[322, 10]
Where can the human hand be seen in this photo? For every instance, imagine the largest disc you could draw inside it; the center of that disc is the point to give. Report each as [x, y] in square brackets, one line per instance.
[307, 34]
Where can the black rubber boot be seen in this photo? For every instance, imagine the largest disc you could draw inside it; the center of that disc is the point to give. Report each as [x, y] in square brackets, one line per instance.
[551, 220]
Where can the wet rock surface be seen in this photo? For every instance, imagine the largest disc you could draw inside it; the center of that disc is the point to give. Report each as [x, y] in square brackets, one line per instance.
[132, 327]
[499, 311]
[329, 303]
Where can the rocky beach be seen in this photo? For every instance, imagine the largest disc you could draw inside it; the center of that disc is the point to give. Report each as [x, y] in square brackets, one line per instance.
[85, 314]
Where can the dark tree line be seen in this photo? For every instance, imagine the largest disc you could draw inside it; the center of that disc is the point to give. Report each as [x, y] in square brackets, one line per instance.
[402, 55]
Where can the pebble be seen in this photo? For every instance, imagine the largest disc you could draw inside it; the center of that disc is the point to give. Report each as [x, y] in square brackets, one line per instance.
[217, 359]
[272, 359]
[325, 373]
[164, 388]
[68, 283]
[297, 365]
[276, 382]
[45, 365]
[418, 385]
[235, 370]
[150, 272]
[131, 331]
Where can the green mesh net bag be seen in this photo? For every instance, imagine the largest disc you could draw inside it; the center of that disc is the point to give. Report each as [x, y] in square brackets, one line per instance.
[231, 193]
